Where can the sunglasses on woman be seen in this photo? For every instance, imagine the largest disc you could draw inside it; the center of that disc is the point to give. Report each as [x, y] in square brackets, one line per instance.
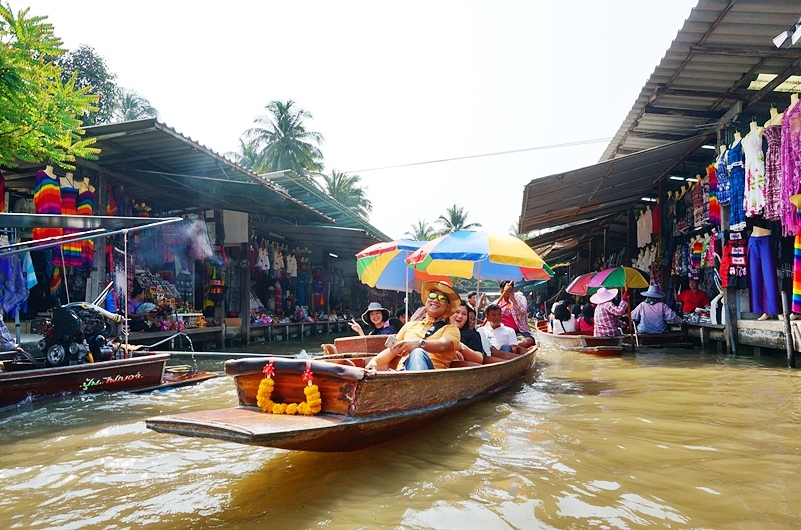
[440, 297]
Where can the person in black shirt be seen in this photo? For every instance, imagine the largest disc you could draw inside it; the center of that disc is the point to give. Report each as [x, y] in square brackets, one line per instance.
[470, 346]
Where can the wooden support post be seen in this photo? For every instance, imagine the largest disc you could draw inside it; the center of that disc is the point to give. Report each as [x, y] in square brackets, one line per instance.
[788, 332]
[731, 324]
[244, 289]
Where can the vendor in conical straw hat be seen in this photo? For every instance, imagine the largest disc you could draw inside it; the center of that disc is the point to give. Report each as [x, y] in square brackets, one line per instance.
[429, 343]
[607, 314]
[652, 315]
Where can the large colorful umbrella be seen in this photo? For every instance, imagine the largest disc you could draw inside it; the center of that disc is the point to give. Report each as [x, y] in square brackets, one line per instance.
[481, 256]
[579, 285]
[383, 266]
[622, 277]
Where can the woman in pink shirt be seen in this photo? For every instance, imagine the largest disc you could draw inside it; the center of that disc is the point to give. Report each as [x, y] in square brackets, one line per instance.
[586, 322]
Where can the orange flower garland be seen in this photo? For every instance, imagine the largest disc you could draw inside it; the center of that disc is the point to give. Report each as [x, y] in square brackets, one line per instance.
[310, 407]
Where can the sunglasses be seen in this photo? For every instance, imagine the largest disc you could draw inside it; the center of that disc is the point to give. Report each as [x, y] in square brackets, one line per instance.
[440, 297]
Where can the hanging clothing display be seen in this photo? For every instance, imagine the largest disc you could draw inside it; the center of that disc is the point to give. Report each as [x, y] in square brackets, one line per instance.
[791, 168]
[71, 252]
[47, 200]
[763, 284]
[733, 262]
[754, 172]
[735, 165]
[714, 205]
[773, 173]
[86, 206]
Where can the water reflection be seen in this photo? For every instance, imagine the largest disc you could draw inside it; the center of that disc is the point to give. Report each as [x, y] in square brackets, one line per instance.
[660, 439]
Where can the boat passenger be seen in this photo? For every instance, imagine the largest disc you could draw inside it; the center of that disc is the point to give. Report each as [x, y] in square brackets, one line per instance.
[692, 298]
[495, 335]
[478, 303]
[586, 323]
[429, 343]
[652, 315]
[399, 320]
[377, 319]
[470, 347]
[514, 309]
[607, 321]
[563, 320]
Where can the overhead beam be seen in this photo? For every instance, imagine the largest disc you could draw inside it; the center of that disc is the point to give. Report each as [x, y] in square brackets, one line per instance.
[690, 113]
[710, 94]
[744, 52]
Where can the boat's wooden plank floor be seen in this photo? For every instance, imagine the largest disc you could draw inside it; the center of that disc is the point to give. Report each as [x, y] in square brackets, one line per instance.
[247, 421]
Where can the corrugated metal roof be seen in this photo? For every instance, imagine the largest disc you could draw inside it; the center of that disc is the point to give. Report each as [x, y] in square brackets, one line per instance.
[699, 89]
[705, 74]
[169, 172]
[310, 194]
[602, 189]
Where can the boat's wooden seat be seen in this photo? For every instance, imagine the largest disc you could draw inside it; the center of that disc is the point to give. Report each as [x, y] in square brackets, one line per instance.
[463, 364]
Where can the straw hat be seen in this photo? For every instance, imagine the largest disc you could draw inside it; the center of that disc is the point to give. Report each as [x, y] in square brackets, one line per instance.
[653, 292]
[603, 295]
[454, 299]
[374, 306]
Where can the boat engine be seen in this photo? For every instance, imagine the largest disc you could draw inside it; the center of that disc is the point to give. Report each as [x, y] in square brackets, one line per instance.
[74, 331]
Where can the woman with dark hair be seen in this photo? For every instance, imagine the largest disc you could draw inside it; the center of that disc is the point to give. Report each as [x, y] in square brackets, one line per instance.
[470, 346]
[563, 320]
[586, 324]
[377, 319]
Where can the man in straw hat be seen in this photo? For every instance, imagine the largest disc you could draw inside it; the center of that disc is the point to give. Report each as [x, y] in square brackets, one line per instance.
[653, 314]
[607, 321]
[429, 343]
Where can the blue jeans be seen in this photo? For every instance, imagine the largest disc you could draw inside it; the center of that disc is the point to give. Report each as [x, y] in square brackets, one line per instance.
[506, 348]
[418, 360]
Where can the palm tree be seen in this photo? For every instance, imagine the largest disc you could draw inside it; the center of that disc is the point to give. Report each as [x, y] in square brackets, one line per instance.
[246, 155]
[132, 106]
[513, 232]
[421, 231]
[455, 220]
[348, 191]
[286, 144]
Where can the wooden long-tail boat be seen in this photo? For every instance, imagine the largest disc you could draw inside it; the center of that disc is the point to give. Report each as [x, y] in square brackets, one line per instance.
[20, 382]
[359, 407]
[580, 342]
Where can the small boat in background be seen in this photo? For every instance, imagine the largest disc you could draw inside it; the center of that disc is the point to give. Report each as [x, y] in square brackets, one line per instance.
[582, 343]
[357, 407]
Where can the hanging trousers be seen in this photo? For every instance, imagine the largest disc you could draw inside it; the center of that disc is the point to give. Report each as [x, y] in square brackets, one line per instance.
[764, 284]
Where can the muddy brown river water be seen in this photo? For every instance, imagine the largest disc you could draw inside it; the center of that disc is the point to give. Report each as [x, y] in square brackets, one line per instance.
[664, 439]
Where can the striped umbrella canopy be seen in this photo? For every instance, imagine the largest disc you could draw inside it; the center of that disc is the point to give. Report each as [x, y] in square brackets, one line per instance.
[579, 285]
[621, 277]
[383, 266]
[482, 256]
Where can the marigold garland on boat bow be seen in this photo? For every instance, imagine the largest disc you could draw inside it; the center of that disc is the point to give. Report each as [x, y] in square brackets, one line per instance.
[310, 407]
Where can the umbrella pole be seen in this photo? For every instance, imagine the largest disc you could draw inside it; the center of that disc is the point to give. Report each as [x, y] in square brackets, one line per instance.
[636, 343]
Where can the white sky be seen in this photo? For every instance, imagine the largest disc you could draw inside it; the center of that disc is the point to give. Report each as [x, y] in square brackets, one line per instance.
[393, 83]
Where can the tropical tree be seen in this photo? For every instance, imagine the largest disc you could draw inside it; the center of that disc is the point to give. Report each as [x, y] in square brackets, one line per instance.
[455, 219]
[90, 72]
[348, 191]
[421, 231]
[284, 141]
[513, 232]
[132, 106]
[38, 109]
[247, 153]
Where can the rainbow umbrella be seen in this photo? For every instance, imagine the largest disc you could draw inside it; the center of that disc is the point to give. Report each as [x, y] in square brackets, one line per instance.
[383, 266]
[579, 285]
[481, 256]
[622, 277]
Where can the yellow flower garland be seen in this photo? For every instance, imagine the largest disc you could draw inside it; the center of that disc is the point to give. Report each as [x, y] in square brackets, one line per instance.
[310, 407]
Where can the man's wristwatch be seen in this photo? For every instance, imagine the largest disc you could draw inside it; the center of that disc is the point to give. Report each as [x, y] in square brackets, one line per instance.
[423, 343]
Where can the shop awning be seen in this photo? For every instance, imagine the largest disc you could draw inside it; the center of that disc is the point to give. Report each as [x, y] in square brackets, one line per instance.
[88, 227]
[171, 172]
[609, 187]
[344, 243]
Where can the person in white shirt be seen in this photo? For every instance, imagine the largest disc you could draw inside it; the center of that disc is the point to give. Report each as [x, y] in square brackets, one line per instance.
[495, 335]
[563, 320]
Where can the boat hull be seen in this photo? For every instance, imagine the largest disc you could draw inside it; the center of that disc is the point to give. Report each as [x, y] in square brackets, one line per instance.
[108, 376]
[589, 344]
[360, 408]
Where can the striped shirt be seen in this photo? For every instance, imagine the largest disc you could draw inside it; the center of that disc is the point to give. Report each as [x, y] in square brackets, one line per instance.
[606, 322]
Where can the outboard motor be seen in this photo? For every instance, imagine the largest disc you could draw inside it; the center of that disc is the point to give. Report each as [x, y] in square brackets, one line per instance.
[77, 329]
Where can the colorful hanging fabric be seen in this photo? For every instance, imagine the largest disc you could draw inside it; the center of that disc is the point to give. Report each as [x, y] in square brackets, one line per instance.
[773, 173]
[714, 205]
[111, 202]
[46, 200]
[791, 168]
[86, 206]
[754, 202]
[71, 252]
